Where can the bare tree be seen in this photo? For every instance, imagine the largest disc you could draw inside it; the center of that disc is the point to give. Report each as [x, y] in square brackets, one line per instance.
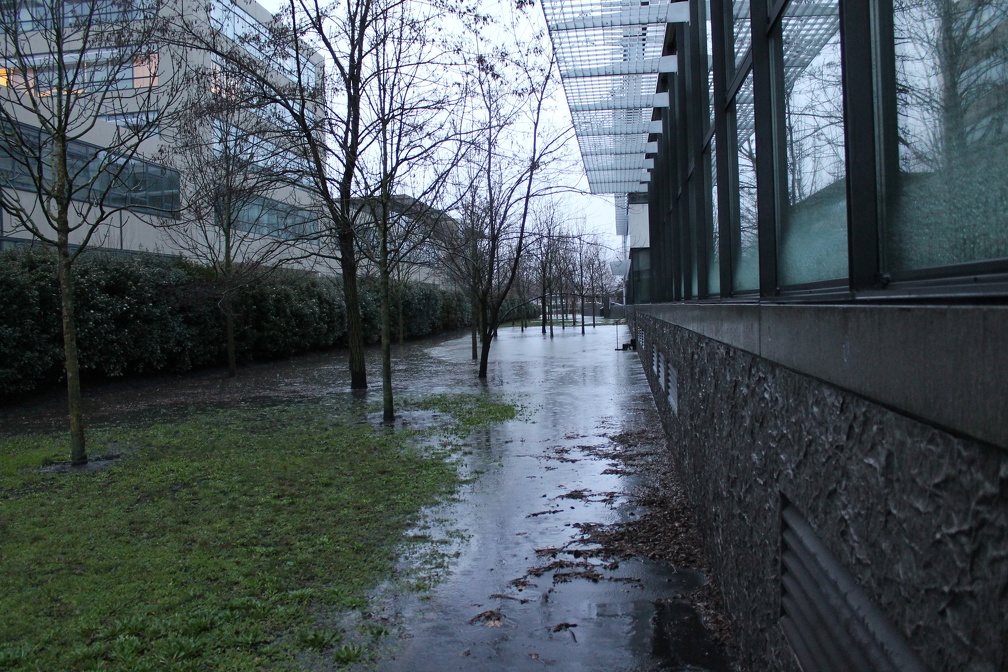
[241, 213]
[546, 239]
[69, 68]
[506, 163]
[458, 241]
[281, 65]
[417, 143]
[585, 252]
[598, 273]
[567, 272]
[524, 287]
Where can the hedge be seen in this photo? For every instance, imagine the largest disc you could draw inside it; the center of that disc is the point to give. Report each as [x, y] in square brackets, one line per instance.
[146, 313]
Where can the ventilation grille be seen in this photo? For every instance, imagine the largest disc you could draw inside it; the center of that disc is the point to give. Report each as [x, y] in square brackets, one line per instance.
[672, 393]
[828, 619]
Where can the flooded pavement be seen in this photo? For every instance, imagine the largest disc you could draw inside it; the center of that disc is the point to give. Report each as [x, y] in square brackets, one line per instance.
[570, 548]
[542, 579]
[165, 396]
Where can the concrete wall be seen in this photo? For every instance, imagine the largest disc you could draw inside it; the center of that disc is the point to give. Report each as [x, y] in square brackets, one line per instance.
[917, 513]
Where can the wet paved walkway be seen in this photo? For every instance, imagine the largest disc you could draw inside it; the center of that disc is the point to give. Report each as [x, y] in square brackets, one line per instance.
[525, 593]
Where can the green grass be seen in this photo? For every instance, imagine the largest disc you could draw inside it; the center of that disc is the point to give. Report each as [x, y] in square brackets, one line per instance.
[470, 411]
[228, 540]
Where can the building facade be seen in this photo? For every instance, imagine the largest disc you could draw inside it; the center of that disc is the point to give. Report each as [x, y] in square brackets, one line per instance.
[821, 306]
[127, 100]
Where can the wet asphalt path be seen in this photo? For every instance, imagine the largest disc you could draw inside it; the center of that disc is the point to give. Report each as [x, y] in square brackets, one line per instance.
[508, 602]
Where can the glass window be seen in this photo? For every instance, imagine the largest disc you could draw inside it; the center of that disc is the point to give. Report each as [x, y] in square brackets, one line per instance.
[707, 52]
[145, 71]
[813, 235]
[745, 243]
[138, 185]
[695, 226]
[952, 113]
[640, 275]
[713, 257]
[741, 35]
[238, 25]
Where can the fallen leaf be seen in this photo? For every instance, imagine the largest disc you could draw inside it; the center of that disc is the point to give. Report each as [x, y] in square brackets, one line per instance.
[489, 618]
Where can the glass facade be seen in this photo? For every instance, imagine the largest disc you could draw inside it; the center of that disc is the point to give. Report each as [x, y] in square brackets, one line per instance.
[741, 35]
[745, 233]
[812, 239]
[951, 72]
[842, 155]
[713, 238]
[133, 184]
[238, 25]
[269, 217]
[72, 14]
[640, 276]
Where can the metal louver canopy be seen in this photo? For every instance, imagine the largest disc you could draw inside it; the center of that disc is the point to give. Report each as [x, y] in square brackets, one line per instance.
[610, 56]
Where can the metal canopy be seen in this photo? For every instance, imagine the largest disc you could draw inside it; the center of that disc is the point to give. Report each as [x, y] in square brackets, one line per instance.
[610, 56]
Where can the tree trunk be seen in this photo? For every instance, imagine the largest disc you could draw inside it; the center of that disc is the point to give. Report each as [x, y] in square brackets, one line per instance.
[594, 303]
[78, 453]
[355, 326]
[485, 356]
[552, 313]
[475, 327]
[388, 414]
[582, 315]
[402, 322]
[544, 311]
[229, 335]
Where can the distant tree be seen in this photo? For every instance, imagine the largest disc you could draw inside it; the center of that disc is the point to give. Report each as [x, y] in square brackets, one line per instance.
[546, 240]
[598, 273]
[69, 66]
[582, 247]
[504, 174]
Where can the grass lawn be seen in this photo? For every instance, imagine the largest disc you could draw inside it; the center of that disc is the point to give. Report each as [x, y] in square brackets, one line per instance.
[228, 540]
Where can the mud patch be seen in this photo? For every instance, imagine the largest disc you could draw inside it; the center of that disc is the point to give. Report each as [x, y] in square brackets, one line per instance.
[96, 463]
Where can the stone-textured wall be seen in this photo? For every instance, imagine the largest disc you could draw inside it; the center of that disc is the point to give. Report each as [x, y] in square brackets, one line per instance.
[918, 516]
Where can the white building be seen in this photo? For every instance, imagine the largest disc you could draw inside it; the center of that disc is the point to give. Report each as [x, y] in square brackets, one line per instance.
[116, 157]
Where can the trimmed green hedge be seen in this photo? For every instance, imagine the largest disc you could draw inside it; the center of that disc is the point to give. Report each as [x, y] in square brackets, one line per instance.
[145, 313]
[31, 341]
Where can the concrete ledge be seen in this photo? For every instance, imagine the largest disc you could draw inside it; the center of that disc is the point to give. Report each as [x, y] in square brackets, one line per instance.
[946, 365]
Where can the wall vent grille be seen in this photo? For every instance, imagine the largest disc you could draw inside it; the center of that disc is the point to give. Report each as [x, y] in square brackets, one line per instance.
[827, 618]
[672, 393]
